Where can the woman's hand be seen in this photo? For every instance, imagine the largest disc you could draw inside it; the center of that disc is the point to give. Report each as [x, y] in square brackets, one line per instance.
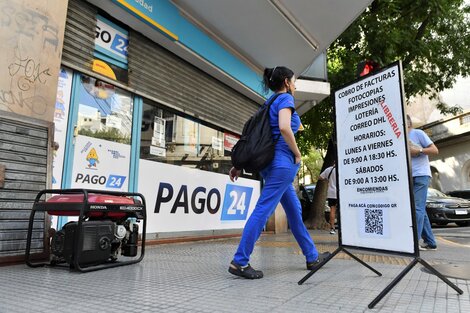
[234, 174]
[298, 159]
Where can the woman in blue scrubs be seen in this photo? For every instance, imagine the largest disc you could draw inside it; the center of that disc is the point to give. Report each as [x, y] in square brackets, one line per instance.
[278, 177]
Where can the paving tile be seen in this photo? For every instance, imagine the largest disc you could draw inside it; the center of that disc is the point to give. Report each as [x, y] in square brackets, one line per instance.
[193, 277]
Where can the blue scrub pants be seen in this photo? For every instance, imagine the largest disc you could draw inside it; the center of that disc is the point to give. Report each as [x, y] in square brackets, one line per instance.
[420, 189]
[278, 176]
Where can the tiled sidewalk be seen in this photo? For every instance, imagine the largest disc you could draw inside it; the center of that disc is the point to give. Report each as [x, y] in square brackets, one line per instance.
[193, 277]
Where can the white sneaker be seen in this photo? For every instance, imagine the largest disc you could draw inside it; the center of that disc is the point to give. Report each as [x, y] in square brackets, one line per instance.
[333, 232]
[427, 247]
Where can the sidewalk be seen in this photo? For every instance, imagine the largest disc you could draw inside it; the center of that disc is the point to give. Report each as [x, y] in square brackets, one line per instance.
[193, 277]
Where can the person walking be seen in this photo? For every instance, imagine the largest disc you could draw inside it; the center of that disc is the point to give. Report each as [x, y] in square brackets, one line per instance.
[421, 146]
[329, 174]
[278, 178]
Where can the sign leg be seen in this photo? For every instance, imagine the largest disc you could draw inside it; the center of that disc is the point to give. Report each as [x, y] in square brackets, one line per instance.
[393, 283]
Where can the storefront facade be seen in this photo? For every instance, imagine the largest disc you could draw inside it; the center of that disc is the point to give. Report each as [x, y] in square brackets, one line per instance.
[147, 100]
[142, 119]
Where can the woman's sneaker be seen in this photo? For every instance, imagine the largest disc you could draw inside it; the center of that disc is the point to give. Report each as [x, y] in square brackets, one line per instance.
[333, 231]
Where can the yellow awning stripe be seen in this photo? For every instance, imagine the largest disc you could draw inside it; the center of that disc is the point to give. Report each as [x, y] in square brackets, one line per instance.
[160, 27]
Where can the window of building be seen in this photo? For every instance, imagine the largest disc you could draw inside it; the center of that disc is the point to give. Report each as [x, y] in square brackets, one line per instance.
[465, 119]
[173, 138]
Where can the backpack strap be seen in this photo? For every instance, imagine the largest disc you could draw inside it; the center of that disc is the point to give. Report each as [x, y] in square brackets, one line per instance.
[268, 103]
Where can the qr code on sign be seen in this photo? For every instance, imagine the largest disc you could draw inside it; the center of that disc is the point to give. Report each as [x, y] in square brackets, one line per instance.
[374, 221]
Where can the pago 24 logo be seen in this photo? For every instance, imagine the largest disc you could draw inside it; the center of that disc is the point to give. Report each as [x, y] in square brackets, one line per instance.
[112, 181]
[236, 203]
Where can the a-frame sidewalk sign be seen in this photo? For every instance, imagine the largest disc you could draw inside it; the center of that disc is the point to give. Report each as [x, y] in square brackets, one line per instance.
[374, 182]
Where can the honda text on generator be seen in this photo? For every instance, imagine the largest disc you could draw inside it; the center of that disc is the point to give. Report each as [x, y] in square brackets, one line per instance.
[107, 228]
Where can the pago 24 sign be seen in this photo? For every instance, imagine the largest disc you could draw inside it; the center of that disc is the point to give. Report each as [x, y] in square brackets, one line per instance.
[236, 202]
[235, 205]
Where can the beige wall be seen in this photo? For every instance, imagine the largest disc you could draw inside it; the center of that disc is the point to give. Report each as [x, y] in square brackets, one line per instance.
[31, 37]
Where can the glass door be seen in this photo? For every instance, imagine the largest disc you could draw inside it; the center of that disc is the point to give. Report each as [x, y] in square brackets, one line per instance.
[102, 133]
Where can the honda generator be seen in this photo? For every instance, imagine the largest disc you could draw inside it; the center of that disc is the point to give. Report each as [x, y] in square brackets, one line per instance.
[106, 230]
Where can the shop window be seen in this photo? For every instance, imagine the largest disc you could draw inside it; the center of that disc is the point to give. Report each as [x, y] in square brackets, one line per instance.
[105, 111]
[465, 119]
[172, 138]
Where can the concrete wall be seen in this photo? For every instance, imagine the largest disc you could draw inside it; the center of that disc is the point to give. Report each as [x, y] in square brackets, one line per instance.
[31, 37]
[453, 164]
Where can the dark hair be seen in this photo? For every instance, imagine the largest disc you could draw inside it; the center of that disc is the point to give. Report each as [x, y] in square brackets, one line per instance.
[273, 78]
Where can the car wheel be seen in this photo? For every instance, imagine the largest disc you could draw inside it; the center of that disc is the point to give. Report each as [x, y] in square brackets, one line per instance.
[441, 223]
[463, 223]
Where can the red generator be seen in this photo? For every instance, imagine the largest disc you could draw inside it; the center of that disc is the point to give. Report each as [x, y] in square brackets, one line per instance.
[106, 228]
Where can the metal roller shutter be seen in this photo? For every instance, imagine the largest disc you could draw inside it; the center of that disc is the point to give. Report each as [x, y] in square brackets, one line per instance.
[162, 76]
[25, 156]
[158, 74]
[79, 38]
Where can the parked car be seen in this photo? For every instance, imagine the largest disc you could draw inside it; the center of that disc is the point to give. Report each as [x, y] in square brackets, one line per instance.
[460, 193]
[443, 209]
[306, 198]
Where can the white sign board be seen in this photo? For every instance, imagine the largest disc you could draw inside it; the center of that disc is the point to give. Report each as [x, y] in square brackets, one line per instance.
[185, 199]
[373, 176]
[100, 164]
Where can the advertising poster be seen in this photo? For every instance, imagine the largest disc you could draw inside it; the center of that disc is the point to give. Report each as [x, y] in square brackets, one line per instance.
[190, 136]
[373, 181]
[185, 199]
[158, 138]
[217, 143]
[61, 114]
[100, 164]
[230, 141]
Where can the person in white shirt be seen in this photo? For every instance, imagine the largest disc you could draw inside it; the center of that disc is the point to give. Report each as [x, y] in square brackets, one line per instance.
[329, 174]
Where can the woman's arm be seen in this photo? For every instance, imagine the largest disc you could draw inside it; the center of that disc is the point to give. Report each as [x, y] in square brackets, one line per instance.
[287, 133]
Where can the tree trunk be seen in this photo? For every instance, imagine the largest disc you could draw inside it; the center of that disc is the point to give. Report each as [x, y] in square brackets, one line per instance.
[316, 218]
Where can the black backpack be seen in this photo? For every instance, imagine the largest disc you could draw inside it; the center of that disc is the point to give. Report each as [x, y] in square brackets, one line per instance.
[255, 149]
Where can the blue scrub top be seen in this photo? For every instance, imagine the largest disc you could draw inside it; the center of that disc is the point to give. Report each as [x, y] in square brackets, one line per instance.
[285, 100]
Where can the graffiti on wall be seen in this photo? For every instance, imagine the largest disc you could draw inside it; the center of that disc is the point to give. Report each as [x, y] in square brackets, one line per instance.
[24, 74]
[31, 42]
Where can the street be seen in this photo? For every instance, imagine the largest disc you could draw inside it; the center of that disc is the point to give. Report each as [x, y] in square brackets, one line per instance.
[460, 236]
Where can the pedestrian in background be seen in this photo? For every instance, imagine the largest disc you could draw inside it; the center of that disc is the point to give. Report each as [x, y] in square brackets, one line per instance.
[278, 178]
[421, 146]
[329, 174]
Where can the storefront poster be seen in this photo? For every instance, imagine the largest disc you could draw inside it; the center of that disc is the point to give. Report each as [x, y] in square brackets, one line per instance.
[230, 141]
[217, 144]
[100, 164]
[158, 138]
[373, 181]
[190, 136]
[61, 113]
[185, 199]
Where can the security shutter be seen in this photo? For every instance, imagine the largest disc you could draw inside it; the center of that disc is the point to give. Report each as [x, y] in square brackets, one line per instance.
[79, 38]
[25, 162]
[160, 75]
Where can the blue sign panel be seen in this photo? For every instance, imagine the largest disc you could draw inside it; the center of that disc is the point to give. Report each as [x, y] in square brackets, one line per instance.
[236, 203]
